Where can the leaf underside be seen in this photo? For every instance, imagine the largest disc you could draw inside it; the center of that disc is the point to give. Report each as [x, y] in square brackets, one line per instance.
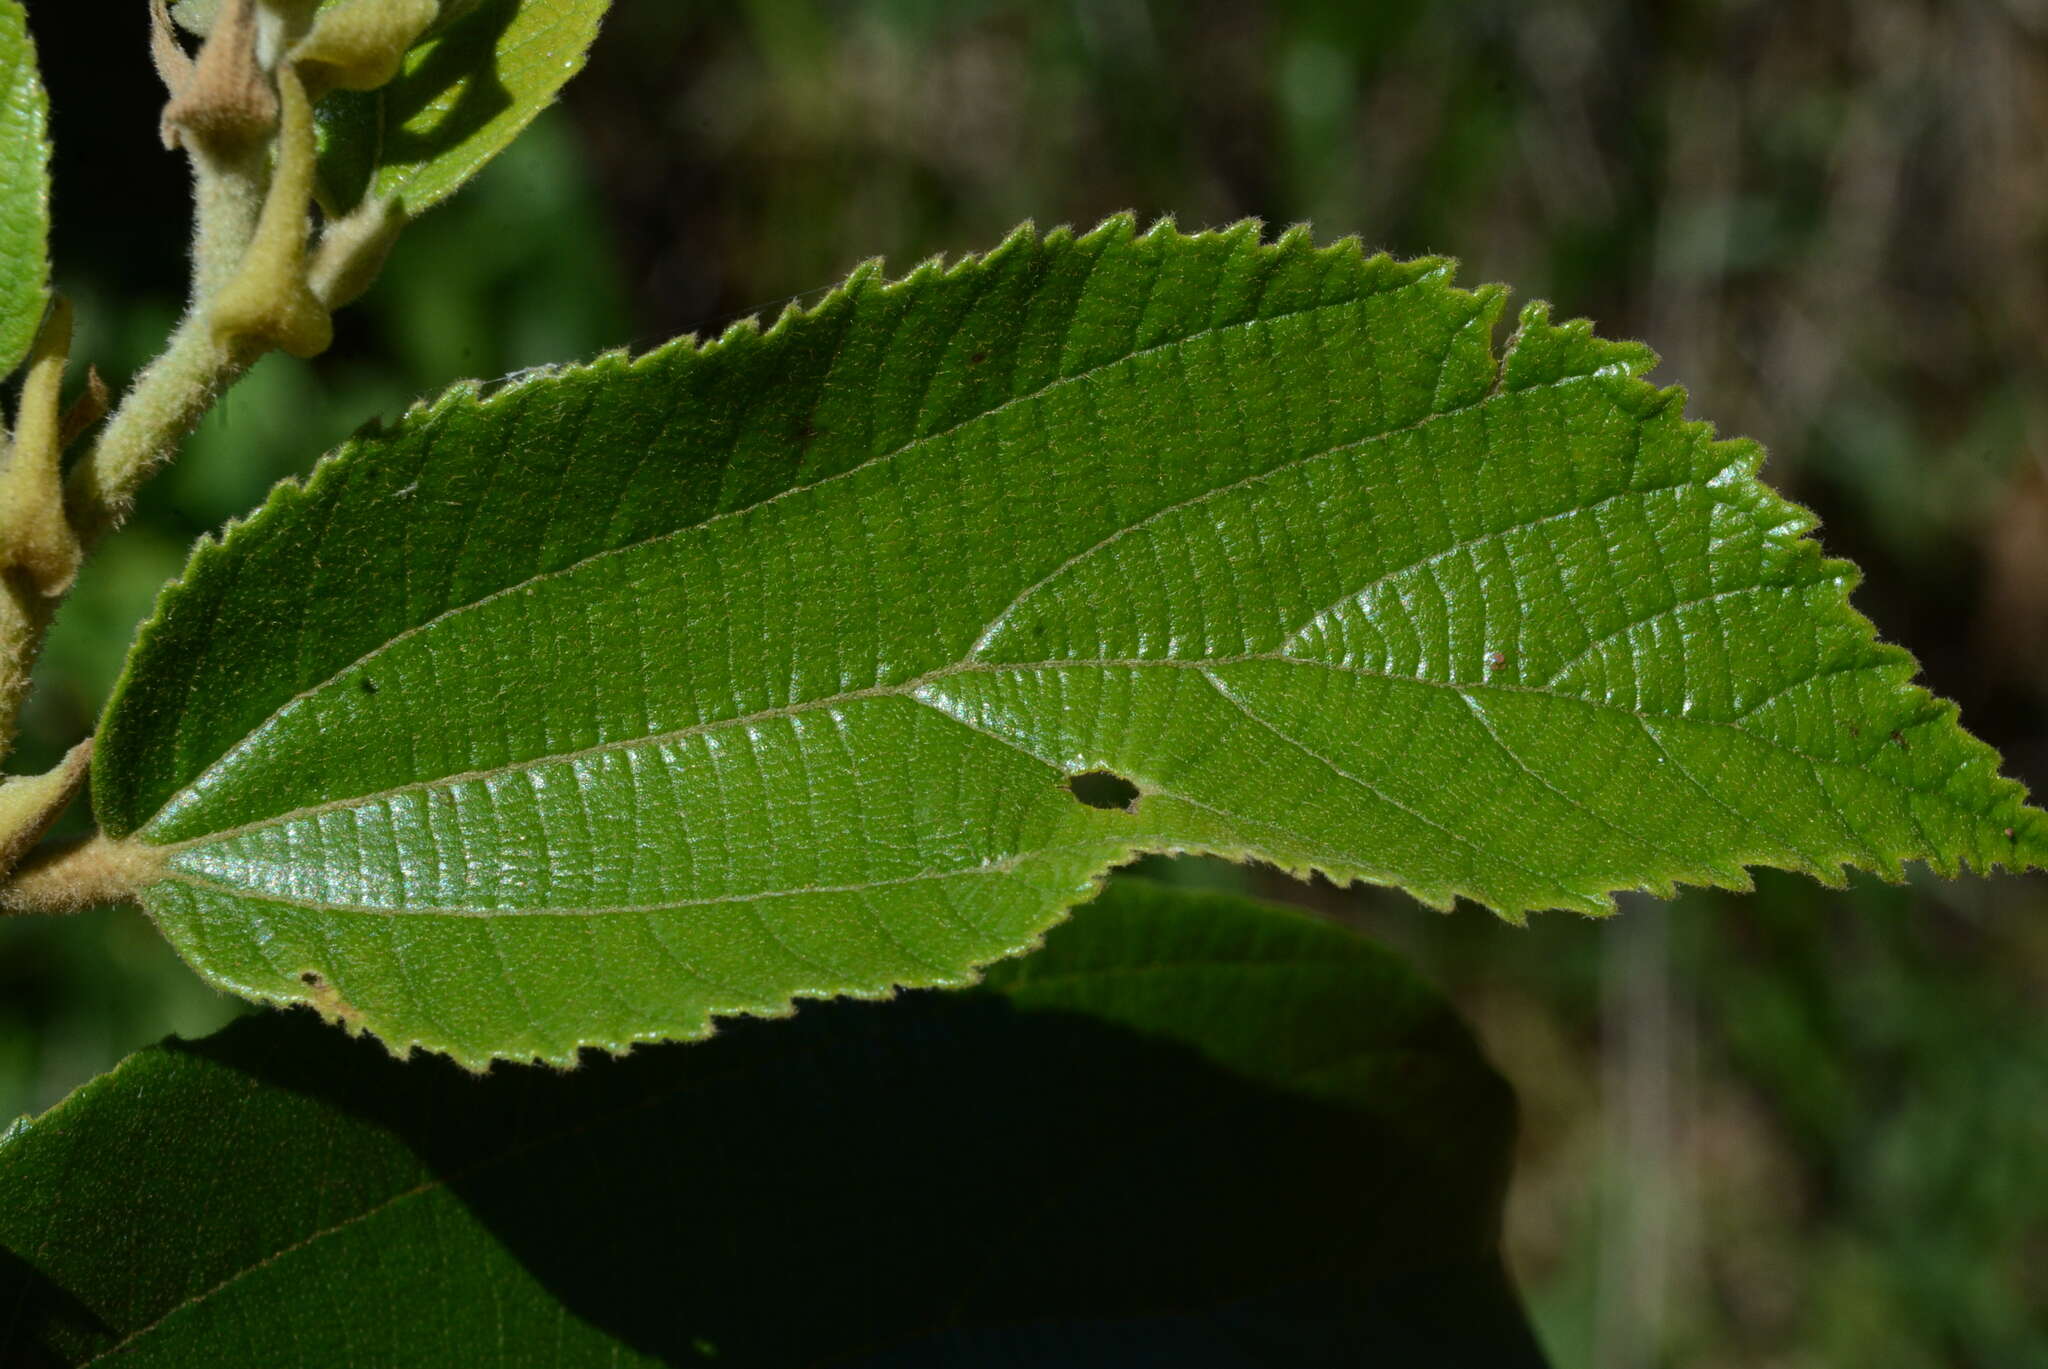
[461, 98]
[1207, 1134]
[583, 710]
[24, 188]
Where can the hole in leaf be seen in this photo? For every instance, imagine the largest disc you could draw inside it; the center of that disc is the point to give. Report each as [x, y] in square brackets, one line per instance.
[311, 979]
[1102, 789]
[369, 685]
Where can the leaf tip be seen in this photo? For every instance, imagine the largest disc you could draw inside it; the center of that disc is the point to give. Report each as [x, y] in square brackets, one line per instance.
[740, 332]
[2025, 842]
[868, 274]
[1244, 232]
[1436, 270]
[1164, 228]
[1024, 238]
[1298, 238]
[1119, 228]
[1543, 352]
[926, 272]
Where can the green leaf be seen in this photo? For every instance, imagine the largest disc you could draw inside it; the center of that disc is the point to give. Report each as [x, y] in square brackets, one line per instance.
[1191, 1131]
[580, 711]
[197, 16]
[464, 94]
[24, 189]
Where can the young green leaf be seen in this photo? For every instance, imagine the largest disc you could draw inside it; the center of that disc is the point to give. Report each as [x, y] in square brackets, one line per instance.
[1192, 1131]
[848, 656]
[24, 188]
[461, 98]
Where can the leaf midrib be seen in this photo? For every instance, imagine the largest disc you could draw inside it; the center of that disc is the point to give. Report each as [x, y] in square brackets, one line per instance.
[253, 736]
[1007, 865]
[1334, 860]
[914, 686]
[520, 394]
[911, 688]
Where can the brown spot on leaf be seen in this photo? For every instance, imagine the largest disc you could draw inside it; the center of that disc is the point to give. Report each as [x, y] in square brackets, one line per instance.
[326, 1000]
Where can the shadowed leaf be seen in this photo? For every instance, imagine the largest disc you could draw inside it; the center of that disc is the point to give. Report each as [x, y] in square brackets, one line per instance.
[1192, 1131]
[464, 94]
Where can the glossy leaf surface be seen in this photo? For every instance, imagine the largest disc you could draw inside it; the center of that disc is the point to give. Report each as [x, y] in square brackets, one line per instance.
[24, 188]
[463, 95]
[1191, 1131]
[628, 695]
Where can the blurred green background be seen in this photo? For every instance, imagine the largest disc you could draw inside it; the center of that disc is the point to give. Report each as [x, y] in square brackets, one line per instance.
[1801, 1128]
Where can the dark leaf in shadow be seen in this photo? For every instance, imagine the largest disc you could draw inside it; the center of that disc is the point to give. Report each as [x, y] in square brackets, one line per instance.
[1190, 1131]
[462, 62]
[462, 97]
[38, 1317]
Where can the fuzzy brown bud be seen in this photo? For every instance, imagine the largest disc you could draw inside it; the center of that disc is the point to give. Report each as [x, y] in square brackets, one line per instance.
[359, 44]
[225, 99]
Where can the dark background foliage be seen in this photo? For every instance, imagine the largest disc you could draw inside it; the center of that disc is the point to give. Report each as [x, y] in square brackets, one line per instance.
[1798, 1128]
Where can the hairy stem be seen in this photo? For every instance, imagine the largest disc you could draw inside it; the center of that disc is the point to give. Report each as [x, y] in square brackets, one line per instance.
[165, 403]
[38, 552]
[73, 878]
[175, 391]
[244, 114]
[25, 617]
[31, 804]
